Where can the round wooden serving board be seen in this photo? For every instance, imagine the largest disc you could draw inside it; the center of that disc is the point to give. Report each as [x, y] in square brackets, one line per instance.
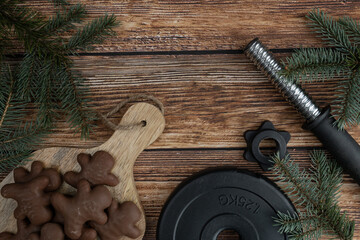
[124, 145]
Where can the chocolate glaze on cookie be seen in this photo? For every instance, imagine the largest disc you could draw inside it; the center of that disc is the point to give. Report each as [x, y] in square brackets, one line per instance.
[95, 169]
[21, 175]
[87, 205]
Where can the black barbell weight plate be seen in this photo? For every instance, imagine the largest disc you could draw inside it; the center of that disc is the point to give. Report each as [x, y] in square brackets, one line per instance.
[208, 203]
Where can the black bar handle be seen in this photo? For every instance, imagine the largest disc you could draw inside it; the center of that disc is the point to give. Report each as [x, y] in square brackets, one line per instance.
[339, 143]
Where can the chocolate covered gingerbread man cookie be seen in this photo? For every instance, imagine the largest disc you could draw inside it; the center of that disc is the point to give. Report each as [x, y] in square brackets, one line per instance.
[87, 205]
[25, 230]
[122, 222]
[96, 169]
[21, 175]
[33, 202]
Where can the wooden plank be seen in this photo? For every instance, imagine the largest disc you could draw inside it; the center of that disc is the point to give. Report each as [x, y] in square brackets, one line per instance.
[157, 173]
[167, 25]
[210, 100]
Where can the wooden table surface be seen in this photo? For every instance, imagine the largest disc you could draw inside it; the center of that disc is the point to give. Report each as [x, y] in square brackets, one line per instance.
[188, 53]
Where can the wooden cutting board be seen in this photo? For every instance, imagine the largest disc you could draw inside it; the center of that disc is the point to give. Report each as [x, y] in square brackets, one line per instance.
[124, 145]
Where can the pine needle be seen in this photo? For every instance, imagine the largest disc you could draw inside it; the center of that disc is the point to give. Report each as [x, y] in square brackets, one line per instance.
[17, 138]
[64, 21]
[342, 62]
[316, 192]
[347, 104]
[330, 31]
[93, 33]
[317, 64]
[44, 79]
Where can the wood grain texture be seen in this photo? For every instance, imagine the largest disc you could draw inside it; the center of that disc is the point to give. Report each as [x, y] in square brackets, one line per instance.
[123, 145]
[174, 49]
[210, 100]
[158, 172]
[173, 25]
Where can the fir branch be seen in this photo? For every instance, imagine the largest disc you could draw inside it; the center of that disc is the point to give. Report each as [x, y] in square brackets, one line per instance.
[351, 27]
[92, 33]
[27, 76]
[321, 64]
[11, 108]
[6, 104]
[327, 175]
[16, 144]
[59, 2]
[310, 234]
[347, 104]
[293, 223]
[64, 21]
[45, 78]
[38, 76]
[299, 186]
[76, 105]
[322, 213]
[307, 65]
[45, 100]
[24, 22]
[331, 31]
[13, 159]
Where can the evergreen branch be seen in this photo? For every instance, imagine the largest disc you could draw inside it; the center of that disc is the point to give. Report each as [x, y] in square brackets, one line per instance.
[27, 75]
[331, 31]
[59, 2]
[93, 33]
[65, 21]
[351, 27]
[328, 176]
[11, 160]
[11, 108]
[75, 105]
[44, 78]
[25, 138]
[324, 214]
[343, 61]
[347, 104]
[45, 100]
[8, 99]
[288, 222]
[299, 186]
[26, 24]
[310, 234]
[307, 65]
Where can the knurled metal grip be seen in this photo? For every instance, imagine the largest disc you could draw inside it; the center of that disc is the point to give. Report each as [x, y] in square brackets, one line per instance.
[266, 62]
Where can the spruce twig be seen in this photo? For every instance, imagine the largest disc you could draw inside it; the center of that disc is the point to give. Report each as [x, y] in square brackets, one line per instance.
[330, 31]
[93, 33]
[316, 192]
[44, 78]
[17, 139]
[317, 64]
[341, 62]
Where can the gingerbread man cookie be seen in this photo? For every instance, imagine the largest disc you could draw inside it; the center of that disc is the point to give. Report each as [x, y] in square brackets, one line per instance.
[87, 233]
[96, 169]
[24, 231]
[21, 175]
[122, 222]
[33, 202]
[87, 205]
[52, 231]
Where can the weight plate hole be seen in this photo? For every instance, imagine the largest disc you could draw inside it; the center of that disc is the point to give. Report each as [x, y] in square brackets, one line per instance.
[228, 235]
